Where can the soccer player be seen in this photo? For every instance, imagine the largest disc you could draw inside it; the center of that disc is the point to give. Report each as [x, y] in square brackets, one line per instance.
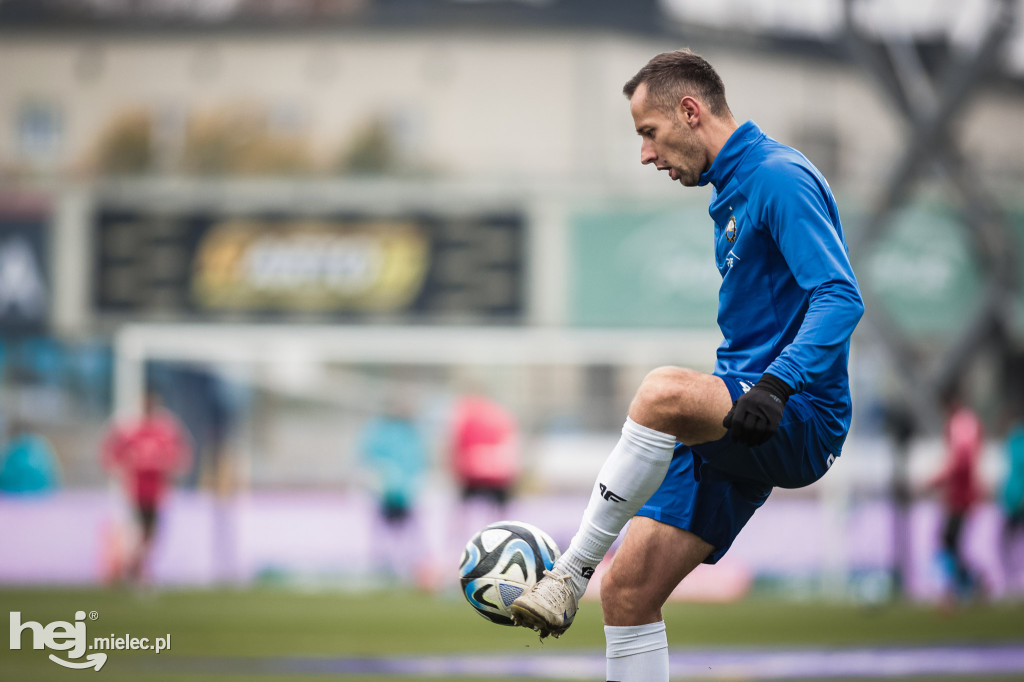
[485, 450]
[393, 449]
[146, 453]
[1011, 499]
[699, 453]
[959, 483]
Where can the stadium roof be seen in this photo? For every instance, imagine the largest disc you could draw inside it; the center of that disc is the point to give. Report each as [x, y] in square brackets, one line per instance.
[816, 25]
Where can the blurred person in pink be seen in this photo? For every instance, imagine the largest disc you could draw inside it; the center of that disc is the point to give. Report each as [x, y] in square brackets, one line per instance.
[959, 486]
[485, 451]
[146, 453]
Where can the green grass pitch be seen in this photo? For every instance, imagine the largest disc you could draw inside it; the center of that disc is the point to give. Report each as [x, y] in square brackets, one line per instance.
[222, 634]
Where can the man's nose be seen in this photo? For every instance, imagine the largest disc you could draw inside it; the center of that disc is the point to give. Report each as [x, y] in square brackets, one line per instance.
[647, 154]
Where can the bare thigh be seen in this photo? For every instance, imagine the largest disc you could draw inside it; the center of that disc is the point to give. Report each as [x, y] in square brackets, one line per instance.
[686, 403]
[653, 559]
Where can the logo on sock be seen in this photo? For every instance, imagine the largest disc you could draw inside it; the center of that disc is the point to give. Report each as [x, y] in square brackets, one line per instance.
[609, 495]
[587, 572]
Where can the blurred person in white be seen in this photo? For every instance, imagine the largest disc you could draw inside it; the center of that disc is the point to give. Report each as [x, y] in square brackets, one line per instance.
[394, 452]
[1012, 501]
[146, 452]
[699, 453]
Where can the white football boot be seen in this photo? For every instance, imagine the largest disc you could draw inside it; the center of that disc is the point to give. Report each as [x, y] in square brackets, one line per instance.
[549, 606]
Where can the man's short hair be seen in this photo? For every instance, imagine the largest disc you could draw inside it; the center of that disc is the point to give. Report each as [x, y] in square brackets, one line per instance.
[670, 76]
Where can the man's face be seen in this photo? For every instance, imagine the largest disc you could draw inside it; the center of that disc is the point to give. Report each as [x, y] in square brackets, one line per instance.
[668, 142]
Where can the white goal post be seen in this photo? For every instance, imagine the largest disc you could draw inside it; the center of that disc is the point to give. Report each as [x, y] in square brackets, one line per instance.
[234, 344]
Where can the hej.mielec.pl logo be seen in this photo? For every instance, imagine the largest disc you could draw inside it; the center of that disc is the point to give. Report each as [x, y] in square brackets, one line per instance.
[72, 638]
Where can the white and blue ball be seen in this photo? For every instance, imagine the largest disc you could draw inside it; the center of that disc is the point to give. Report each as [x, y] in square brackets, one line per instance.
[500, 563]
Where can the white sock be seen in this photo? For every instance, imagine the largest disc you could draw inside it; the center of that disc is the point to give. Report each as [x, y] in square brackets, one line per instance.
[636, 653]
[628, 478]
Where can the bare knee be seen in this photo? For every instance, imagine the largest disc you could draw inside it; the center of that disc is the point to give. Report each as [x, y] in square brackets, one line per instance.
[661, 396]
[624, 602]
[688, 404]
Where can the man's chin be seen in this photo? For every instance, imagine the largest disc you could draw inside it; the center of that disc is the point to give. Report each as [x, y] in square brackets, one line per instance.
[683, 179]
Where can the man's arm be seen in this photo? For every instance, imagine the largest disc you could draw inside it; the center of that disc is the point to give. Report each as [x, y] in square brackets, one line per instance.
[798, 213]
[800, 223]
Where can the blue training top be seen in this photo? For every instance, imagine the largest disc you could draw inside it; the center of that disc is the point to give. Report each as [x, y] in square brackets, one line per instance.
[789, 300]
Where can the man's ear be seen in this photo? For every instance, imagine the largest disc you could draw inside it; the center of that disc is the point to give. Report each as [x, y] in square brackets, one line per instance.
[690, 110]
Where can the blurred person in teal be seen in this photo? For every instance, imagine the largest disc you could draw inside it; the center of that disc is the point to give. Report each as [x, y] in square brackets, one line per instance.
[1012, 501]
[393, 450]
[28, 463]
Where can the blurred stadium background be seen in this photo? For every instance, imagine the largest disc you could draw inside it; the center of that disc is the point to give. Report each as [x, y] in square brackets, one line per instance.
[282, 214]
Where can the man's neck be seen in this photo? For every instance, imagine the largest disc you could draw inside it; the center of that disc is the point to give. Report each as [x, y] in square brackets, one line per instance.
[718, 132]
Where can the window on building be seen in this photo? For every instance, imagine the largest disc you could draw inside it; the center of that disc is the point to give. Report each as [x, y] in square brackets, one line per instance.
[39, 132]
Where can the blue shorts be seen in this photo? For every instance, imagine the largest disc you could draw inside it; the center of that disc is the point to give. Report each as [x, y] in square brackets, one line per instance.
[713, 489]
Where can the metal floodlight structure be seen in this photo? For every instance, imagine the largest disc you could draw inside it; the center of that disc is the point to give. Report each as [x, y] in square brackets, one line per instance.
[930, 104]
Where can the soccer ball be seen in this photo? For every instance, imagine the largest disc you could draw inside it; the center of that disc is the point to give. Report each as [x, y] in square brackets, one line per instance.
[502, 561]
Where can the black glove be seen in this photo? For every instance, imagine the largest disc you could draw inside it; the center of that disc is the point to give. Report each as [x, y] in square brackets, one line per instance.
[756, 414]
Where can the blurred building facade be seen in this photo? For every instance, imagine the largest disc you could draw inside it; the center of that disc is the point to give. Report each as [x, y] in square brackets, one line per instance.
[288, 209]
[522, 106]
[188, 165]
